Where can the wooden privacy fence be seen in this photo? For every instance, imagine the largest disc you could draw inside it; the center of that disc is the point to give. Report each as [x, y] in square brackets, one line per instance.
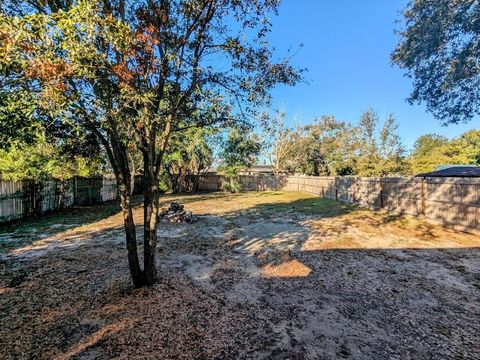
[451, 201]
[19, 199]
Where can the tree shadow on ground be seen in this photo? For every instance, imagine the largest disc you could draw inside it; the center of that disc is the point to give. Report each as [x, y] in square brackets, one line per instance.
[288, 229]
[80, 303]
[187, 198]
[313, 206]
[23, 232]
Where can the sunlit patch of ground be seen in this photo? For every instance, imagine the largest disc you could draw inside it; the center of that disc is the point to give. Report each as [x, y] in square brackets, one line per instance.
[365, 229]
[260, 275]
[292, 268]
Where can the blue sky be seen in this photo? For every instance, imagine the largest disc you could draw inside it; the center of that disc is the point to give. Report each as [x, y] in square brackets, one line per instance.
[346, 48]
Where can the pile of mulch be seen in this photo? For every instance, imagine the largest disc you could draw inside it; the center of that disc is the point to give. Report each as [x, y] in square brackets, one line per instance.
[176, 213]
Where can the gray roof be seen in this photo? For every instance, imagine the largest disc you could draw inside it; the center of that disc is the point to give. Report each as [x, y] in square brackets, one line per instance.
[446, 166]
[454, 171]
[261, 167]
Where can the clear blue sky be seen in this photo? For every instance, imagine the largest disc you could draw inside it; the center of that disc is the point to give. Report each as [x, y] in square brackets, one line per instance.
[347, 46]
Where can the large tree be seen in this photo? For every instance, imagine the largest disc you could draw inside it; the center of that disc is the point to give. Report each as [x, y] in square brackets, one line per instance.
[278, 146]
[432, 150]
[190, 155]
[322, 148]
[439, 47]
[380, 151]
[333, 147]
[132, 73]
[429, 151]
[240, 151]
[465, 149]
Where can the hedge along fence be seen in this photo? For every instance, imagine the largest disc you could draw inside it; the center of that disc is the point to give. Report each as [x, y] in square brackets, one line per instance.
[453, 202]
[19, 199]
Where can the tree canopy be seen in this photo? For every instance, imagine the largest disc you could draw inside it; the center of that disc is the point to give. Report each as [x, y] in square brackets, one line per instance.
[439, 48]
[429, 151]
[240, 151]
[333, 147]
[133, 73]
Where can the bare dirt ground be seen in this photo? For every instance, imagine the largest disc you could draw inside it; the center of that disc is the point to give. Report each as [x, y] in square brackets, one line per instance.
[260, 276]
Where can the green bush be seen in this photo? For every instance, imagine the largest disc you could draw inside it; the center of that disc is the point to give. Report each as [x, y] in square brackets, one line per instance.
[232, 184]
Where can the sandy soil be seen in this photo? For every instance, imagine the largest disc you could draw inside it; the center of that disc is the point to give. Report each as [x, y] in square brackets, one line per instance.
[259, 276]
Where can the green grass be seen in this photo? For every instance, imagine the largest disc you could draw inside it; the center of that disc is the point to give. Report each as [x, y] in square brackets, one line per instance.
[24, 232]
[314, 206]
[266, 203]
[66, 219]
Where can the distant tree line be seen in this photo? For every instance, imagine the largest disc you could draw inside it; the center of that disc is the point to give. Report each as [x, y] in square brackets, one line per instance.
[432, 150]
[370, 147]
[35, 147]
[328, 146]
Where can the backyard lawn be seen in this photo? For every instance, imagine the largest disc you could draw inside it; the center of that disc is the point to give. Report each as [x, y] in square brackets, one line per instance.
[272, 275]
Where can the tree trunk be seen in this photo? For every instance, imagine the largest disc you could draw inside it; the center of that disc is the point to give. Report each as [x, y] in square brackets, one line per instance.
[150, 212]
[118, 157]
[196, 181]
[37, 197]
[132, 175]
[130, 236]
[61, 195]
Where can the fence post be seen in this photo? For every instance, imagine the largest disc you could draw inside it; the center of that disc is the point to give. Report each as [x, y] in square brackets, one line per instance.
[423, 200]
[381, 194]
[354, 190]
[75, 190]
[336, 189]
[89, 195]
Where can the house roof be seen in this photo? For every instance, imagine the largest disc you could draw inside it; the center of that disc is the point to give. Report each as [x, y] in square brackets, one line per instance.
[257, 168]
[261, 168]
[446, 166]
[454, 171]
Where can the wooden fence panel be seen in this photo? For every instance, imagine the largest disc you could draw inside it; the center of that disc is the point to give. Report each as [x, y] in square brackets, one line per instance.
[88, 190]
[11, 200]
[451, 201]
[109, 189]
[210, 182]
[19, 199]
[56, 194]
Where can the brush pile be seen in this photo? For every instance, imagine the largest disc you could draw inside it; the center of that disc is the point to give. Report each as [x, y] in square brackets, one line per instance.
[176, 213]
